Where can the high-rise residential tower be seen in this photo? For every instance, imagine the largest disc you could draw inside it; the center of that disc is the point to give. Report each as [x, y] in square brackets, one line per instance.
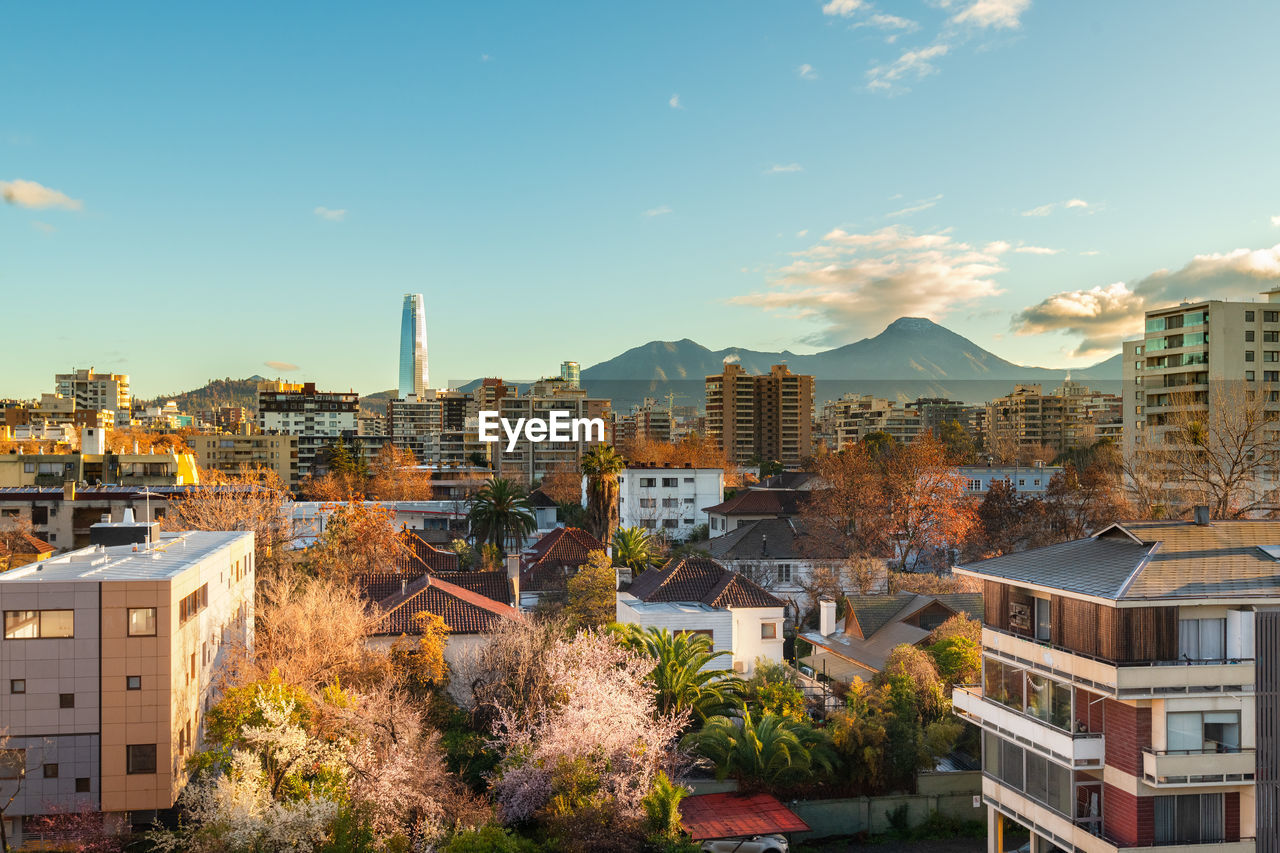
[413, 347]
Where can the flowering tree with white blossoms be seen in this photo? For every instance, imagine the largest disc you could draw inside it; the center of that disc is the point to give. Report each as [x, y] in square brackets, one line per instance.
[596, 735]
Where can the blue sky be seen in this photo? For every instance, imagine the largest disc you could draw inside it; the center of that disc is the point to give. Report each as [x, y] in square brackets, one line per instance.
[199, 191]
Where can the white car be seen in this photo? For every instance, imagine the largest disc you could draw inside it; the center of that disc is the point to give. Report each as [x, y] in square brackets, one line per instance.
[758, 844]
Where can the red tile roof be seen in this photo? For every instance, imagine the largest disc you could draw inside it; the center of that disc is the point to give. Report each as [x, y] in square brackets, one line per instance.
[701, 579]
[494, 585]
[775, 502]
[464, 611]
[428, 555]
[24, 543]
[735, 815]
[544, 562]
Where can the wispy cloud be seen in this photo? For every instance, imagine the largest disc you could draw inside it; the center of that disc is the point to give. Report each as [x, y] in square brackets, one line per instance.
[1042, 210]
[1275, 220]
[911, 65]
[843, 8]
[802, 232]
[1046, 209]
[484, 57]
[331, 215]
[283, 366]
[33, 195]
[674, 103]
[783, 168]
[658, 211]
[888, 22]
[1077, 202]
[916, 207]
[807, 72]
[849, 282]
[997, 14]
[1036, 250]
[1102, 317]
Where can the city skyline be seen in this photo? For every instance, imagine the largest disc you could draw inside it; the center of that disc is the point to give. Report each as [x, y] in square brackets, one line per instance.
[771, 179]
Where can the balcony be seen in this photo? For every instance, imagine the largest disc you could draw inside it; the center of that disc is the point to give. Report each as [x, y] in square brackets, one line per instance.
[1186, 768]
[1081, 749]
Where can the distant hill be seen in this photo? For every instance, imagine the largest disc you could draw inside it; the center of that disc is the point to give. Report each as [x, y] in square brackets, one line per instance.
[217, 392]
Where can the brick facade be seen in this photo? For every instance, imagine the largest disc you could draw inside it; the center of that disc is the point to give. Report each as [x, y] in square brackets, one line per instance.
[1127, 819]
[1231, 805]
[1128, 730]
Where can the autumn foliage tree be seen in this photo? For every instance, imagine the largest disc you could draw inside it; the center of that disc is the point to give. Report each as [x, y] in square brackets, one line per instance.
[394, 476]
[252, 499]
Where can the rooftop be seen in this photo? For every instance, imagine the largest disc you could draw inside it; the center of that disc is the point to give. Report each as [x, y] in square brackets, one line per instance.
[1152, 560]
[736, 816]
[166, 558]
[700, 579]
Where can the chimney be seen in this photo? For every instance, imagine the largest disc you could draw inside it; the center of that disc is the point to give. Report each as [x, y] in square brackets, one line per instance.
[764, 544]
[513, 577]
[69, 490]
[1202, 515]
[826, 617]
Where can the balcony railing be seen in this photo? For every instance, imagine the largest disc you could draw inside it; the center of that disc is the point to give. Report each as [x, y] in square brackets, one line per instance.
[1077, 749]
[1186, 767]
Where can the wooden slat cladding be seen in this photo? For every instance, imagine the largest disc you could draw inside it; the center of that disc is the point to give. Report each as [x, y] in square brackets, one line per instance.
[995, 605]
[1076, 625]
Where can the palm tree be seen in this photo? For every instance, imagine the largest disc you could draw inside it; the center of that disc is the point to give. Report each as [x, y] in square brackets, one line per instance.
[633, 548]
[500, 514]
[771, 752]
[601, 465]
[662, 807]
[682, 675]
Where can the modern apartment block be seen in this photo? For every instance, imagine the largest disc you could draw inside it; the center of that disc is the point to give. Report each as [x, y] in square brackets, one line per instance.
[108, 665]
[97, 391]
[647, 421]
[94, 465]
[415, 424]
[1129, 689]
[227, 453]
[668, 500]
[855, 416]
[529, 461]
[1029, 421]
[768, 417]
[317, 418]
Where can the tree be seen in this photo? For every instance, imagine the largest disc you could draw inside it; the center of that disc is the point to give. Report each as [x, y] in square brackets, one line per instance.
[765, 751]
[418, 664]
[693, 450]
[634, 548]
[684, 678]
[846, 516]
[394, 476]
[926, 502]
[918, 668]
[838, 579]
[775, 688]
[858, 734]
[601, 466]
[662, 807]
[252, 499]
[359, 537]
[593, 592]
[500, 514]
[961, 447]
[563, 484]
[14, 762]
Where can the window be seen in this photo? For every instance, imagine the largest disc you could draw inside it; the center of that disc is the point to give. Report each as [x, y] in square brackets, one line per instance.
[13, 763]
[768, 630]
[975, 485]
[646, 503]
[1271, 316]
[193, 603]
[1272, 337]
[1248, 335]
[784, 573]
[66, 700]
[1202, 639]
[670, 522]
[37, 624]
[133, 682]
[648, 482]
[1190, 818]
[670, 502]
[142, 621]
[51, 771]
[28, 467]
[1202, 731]
[1248, 355]
[1042, 619]
[1271, 355]
[140, 758]
[1248, 375]
[82, 784]
[17, 685]
[669, 482]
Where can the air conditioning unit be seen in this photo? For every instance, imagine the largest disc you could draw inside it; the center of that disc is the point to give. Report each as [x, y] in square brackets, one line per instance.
[739, 666]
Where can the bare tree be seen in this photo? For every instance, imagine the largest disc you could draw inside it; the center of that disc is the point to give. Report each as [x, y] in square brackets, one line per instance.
[14, 760]
[253, 499]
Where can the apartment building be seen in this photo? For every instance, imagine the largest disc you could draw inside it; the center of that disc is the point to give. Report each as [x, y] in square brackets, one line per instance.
[317, 418]
[529, 461]
[648, 421]
[97, 391]
[233, 419]
[94, 465]
[108, 665]
[227, 453]
[1129, 689]
[1029, 421]
[768, 417]
[667, 499]
[855, 416]
[64, 516]
[415, 424]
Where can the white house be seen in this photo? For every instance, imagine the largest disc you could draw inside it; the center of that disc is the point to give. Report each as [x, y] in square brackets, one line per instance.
[699, 595]
[669, 500]
[1025, 479]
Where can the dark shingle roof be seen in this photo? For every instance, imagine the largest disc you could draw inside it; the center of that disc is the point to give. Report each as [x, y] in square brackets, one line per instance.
[701, 579]
[766, 539]
[777, 502]
[1148, 560]
[464, 611]
[543, 566]
[873, 612]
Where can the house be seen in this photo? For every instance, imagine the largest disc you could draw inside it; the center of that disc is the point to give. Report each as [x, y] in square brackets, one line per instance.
[18, 548]
[1026, 480]
[111, 655]
[546, 566]
[754, 504]
[699, 595]
[858, 645]
[667, 500]
[545, 510]
[1131, 688]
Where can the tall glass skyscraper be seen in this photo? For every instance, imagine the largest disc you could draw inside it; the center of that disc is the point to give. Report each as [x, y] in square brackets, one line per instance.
[413, 347]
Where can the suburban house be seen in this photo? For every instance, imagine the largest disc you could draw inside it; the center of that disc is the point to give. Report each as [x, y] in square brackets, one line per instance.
[667, 500]
[111, 656]
[1131, 688]
[1026, 480]
[753, 504]
[699, 595]
[547, 565]
[858, 645]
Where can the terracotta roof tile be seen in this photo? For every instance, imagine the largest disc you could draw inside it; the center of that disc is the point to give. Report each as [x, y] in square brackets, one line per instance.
[734, 816]
[494, 585]
[464, 611]
[544, 564]
[776, 502]
[702, 579]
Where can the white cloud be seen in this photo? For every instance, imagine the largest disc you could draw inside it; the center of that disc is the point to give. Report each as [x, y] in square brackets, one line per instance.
[913, 65]
[1104, 316]
[484, 57]
[997, 247]
[843, 8]
[888, 22]
[30, 194]
[1091, 252]
[1077, 202]
[802, 232]
[1275, 220]
[1036, 250]
[916, 207]
[1042, 210]
[283, 366]
[658, 211]
[331, 215]
[674, 102]
[807, 72]
[849, 282]
[998, 14]
[783, 168]
[1046, 209]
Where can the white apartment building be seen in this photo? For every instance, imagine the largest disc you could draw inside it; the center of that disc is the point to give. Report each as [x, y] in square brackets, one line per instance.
[318, 418]
[108, 665]
[667, 500]
[1025, 479]
[97, 391]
